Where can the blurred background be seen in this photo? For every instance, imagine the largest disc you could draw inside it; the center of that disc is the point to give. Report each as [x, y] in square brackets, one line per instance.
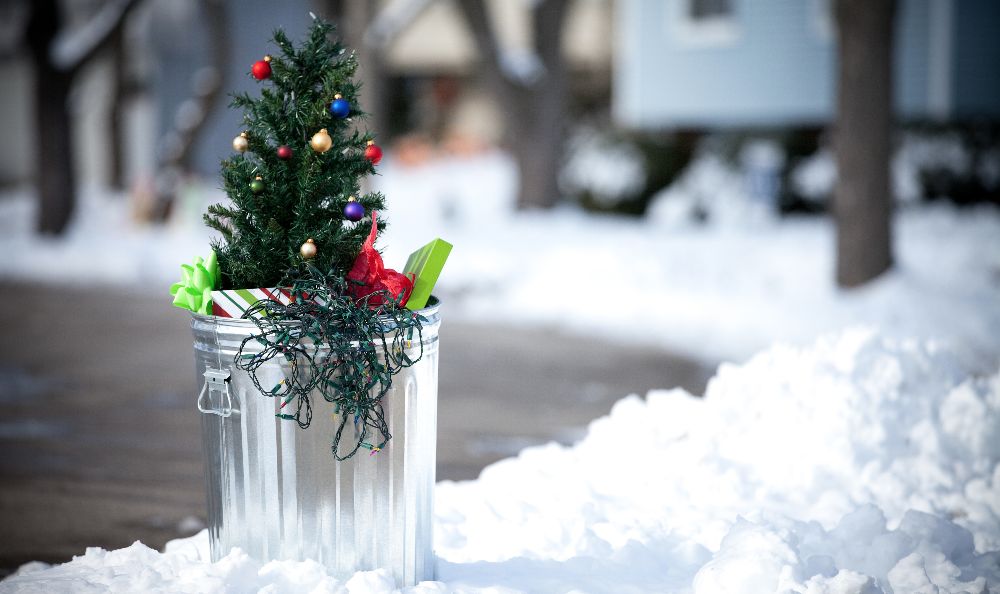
[637, 191]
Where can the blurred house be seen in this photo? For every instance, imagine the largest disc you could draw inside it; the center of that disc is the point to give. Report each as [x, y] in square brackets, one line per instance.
[429, 63]
[724, 63]
[433, 58]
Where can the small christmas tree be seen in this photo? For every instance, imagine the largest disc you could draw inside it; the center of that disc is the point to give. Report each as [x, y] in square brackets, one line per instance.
[295, 182]
[337, 326]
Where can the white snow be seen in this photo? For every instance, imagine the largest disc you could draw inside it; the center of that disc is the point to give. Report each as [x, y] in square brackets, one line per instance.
[861, 464]
[608, 170]
[865, 461]
[815, 176]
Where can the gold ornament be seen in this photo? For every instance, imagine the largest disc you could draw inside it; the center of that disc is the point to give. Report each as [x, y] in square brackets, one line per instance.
[240, 143]
[308, 249]
[321, 141]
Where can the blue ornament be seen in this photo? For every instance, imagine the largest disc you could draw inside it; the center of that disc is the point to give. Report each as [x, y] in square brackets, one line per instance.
[353, 211]
[340, 108]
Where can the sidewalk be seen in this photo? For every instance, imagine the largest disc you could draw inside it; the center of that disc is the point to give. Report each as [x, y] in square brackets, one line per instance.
[100, 435]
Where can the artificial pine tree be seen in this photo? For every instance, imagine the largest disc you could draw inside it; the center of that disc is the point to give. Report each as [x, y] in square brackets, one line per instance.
[295, 182]
[337, 326]
[323, 325]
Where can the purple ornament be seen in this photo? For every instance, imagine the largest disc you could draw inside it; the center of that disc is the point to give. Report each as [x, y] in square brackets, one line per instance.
[353, 211]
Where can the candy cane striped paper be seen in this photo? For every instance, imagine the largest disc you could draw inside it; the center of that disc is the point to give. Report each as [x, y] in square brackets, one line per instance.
[233, 303]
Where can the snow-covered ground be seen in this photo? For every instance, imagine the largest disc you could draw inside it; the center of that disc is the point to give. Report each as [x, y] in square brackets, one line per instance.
[863, 461]
[858, 465]
[719, 292]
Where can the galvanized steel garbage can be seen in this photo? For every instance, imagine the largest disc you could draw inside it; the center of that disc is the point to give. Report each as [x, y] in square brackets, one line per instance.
[276, 491]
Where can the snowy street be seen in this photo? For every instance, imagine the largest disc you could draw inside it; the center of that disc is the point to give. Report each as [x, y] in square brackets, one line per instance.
[857, 453]
[859, 464]
[868, 458]
[500, 297]
[98, 455]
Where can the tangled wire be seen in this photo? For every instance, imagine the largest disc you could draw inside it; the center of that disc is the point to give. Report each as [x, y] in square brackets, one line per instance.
[336, 346]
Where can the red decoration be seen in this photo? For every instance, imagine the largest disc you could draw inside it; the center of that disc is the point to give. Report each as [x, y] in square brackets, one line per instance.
[369, 275]
[284, 152]
[262, 68]
[373, 153]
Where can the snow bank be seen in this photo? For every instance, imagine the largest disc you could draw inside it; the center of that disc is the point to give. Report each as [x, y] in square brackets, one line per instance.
[859, 465]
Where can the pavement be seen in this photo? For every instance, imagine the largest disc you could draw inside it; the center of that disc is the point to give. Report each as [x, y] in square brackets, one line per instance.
[100, 439]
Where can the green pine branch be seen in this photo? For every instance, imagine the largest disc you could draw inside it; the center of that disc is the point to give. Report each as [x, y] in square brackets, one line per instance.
[302, 197]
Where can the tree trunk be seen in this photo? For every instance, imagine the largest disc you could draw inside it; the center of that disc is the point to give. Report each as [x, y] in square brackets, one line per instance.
[54, 174]
[207, 92]
[534, 111]
[862, 197]
[116, 134]
[539, 153]
[371, 64]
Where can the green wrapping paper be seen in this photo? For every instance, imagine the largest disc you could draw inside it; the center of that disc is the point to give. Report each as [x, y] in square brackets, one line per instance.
[425, 265]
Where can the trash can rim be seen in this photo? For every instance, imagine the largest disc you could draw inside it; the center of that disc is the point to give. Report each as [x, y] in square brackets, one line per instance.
[430, 313]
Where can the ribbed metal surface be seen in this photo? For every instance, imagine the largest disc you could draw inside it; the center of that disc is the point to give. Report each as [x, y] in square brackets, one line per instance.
[276, 491]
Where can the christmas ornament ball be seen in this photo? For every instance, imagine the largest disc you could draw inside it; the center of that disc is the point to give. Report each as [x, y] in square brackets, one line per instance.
[340, 108]
[353, 211]
[321, 141]
[240, 143]
[284, 152]
[308, 249]
[373, 153]
[257, 185]
[262, 68]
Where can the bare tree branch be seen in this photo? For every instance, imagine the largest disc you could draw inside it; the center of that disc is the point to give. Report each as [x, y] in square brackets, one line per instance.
[549, 16]
[478, 20]
[531, 90]
[391, 20]
[71, 50]
[192, 114]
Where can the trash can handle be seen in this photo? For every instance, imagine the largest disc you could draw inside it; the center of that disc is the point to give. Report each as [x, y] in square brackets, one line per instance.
[216, 380]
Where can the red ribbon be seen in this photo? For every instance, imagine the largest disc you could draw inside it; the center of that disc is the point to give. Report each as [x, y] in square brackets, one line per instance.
[369, 276]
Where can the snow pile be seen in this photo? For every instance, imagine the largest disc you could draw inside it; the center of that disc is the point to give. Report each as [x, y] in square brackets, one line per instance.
[810, 434]
[710, 187]
[103, 244]
[860, 465]
[183, 568]
[607, 170]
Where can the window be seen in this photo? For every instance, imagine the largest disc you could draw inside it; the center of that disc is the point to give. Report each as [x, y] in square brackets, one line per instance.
[708, 9]
[703, 23]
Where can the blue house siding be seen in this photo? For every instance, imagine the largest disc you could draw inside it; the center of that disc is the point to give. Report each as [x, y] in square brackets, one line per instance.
[911, 58]
[775, 70]
[976, 65]
[779, 66]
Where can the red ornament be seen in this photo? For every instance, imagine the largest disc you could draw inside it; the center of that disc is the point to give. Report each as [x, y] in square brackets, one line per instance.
[284, 152]
[262, 68]
[373, 153]
[369, 276]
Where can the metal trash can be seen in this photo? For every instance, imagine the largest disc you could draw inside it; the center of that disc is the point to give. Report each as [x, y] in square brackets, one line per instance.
[276, 491]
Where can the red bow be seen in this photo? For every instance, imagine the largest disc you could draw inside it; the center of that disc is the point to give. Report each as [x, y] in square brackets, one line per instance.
[369, 276]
